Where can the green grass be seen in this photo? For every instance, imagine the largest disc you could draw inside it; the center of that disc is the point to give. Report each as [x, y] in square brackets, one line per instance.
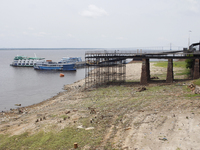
[64, 117]
[164, 64]
[185, 72]
[191, 95]
[197, 82]
[62, 140]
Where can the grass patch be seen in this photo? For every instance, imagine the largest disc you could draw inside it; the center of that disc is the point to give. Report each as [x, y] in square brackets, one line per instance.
[191, 95]
[62, 140]
[184, 72]
[197, 82]
[180, 64]
[64, 117]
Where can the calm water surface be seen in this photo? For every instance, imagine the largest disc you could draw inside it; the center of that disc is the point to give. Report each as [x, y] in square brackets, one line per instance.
[26, 86]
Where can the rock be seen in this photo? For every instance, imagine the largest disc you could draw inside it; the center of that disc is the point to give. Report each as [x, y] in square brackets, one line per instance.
[80, 127]
[140, 89]
[154, 78]
[89, 128]
[67, 112]
[128, 128]
[92, 110]
[197, 90]
[164, 139]
[192, 87]
[20, 111]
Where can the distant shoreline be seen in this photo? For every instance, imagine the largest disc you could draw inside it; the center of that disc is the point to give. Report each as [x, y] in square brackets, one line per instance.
[48, 48]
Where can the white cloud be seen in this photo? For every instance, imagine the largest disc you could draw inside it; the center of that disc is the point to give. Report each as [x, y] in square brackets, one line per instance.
[40, 34]
[2, 35]
[93, 11]
[193, 5]
[120, 38]
[70, 35]
[25, 33]
[30, 28]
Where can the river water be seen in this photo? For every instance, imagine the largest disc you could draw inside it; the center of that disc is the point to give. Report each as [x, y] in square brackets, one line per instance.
[26, 86]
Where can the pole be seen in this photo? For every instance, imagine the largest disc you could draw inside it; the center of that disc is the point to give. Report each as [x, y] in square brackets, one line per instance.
[189, 39]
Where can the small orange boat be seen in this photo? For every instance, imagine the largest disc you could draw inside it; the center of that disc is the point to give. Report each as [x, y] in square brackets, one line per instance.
[62, 75]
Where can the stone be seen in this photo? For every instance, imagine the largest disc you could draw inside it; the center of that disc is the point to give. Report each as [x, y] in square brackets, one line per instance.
[67, 112]
[90, 128]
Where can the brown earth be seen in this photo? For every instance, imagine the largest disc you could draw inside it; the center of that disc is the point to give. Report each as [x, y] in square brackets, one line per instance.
[161, 117]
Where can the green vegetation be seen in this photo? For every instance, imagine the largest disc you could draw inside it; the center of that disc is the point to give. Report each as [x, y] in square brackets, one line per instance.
[197, 82]
[184, 70]
[189, 62]
[62, 140]
[64, 117]
[191, 95]
[181, 64]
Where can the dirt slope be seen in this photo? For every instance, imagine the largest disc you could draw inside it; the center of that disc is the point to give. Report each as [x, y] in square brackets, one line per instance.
[164, 116]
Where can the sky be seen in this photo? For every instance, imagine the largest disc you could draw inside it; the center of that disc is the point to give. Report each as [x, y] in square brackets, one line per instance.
[98, 23]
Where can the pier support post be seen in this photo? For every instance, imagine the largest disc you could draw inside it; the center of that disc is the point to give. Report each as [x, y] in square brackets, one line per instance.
[170, 74]
[148, 69]
[196, 69]
[145, 74]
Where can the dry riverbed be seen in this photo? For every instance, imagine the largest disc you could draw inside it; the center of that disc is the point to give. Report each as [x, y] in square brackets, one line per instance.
[161, 116]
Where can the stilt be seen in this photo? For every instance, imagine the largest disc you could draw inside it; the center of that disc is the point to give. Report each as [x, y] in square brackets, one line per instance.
[196, 69]
[170, 73]
[145, 72]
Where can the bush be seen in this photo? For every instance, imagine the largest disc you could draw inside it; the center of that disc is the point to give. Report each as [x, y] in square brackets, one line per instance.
[189, 62]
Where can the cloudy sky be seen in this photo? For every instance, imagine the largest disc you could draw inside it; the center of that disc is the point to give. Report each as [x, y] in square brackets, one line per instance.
[98, 23]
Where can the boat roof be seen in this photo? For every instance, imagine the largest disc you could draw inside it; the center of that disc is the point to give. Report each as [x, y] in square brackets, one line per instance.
[25, 57]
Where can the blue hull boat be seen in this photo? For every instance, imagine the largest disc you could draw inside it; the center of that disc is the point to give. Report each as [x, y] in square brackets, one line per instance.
[63, 67]
[66, 64]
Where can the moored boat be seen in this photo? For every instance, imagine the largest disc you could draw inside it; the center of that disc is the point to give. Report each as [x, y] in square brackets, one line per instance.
[65, 64]
[24, 61]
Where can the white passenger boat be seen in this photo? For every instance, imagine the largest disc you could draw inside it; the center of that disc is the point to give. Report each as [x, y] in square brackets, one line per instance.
[24, 61]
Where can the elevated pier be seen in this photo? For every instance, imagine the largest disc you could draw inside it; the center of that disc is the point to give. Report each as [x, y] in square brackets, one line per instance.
[103, 67]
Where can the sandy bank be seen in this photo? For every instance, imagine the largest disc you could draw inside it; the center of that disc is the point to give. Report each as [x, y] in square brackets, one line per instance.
[161, 117]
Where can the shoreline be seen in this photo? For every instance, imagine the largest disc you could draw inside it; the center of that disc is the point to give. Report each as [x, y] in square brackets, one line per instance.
[121, 115]
[133, 66]
[133, 72]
